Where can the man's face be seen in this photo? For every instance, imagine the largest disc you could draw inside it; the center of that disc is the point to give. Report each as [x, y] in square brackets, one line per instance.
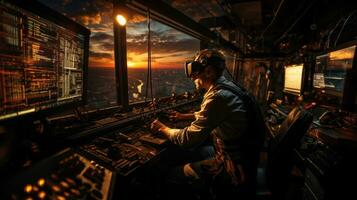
[198, 79]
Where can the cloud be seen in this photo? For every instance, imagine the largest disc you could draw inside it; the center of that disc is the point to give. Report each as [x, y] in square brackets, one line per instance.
[162, 42]
[136, 18]
[86, 20]
[100, 55]
[161, 56]
[106, 46]
[87, 12]
[99, 37]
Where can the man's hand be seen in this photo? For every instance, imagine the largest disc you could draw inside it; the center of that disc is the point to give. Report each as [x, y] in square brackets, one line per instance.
[156, 125]
[174, 115]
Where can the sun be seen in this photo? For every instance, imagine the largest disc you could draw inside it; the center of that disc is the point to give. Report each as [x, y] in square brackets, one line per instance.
[130, 64]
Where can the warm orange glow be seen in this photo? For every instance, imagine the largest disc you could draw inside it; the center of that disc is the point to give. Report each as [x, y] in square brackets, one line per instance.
[131, 64]
[121, 20]
[41, 195]
[101, 62]
[139, 60]
[343, 54]
[41, 182]
[28, 188]
[293, 74]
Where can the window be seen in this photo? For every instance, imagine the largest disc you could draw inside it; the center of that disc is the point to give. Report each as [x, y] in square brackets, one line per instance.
[169, 50]
[96, 16]
[137, 57]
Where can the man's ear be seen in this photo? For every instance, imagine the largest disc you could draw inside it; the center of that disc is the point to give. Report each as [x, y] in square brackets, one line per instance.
[210, 72]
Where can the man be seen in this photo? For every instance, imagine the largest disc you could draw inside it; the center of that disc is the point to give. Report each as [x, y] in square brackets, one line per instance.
[224, 117]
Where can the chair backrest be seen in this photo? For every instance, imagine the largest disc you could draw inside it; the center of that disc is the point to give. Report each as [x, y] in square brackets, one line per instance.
[281, 148]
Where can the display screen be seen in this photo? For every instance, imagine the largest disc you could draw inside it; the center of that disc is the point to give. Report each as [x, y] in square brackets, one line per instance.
[331, 69]
[41, 63]
[293, 78]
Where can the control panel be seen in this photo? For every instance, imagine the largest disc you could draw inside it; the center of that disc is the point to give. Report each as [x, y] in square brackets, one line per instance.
[67, 175]
[125, 150]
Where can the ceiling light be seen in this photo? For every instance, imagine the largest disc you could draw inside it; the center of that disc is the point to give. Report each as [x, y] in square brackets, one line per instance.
[121, 20]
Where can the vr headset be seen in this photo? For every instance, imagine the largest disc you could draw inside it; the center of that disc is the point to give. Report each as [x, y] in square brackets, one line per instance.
[202, 61]
[193, 68]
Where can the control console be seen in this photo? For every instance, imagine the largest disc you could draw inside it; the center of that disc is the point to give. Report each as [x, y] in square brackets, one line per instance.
[67, 175]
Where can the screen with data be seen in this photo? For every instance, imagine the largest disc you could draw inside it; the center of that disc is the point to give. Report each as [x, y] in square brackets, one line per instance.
[42, 64]
[331, 69]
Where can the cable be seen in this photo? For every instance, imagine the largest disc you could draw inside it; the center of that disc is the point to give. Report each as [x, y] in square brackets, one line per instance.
[327, 45]
[343, 26]
[296, 21]
[149, 80]
[272, 21]
[148, 69]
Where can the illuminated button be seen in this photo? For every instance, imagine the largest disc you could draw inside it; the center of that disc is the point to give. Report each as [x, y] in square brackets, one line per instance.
[60, 198]
[41, 195]
[41, 182]
[70, 181]
[55, 188]
[28, 188]
[66, 194]
[64, 184]
[75, 192]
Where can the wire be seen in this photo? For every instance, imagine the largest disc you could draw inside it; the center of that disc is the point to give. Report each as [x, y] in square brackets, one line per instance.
[343, 26]
[148, 69]
[149, 74]
[296, 21]
[272, 21]
[327, 45]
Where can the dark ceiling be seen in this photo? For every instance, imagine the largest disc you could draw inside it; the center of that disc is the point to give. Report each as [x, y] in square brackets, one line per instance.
[278, 26]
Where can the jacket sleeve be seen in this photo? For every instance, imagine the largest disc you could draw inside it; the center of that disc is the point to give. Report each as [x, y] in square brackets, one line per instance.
[213, 111]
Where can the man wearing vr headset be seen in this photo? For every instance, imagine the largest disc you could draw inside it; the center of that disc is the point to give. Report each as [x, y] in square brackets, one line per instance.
[223, 118]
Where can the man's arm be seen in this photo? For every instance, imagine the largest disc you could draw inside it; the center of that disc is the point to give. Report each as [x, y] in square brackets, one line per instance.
[213, 112]
[181, 116]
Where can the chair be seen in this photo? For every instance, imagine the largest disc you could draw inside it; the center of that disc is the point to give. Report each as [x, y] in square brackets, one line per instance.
[281, 151]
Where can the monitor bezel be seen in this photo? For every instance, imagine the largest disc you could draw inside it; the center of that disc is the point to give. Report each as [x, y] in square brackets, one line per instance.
[57, 18]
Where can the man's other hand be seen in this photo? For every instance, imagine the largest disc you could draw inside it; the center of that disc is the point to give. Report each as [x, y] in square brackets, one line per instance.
[174, 115]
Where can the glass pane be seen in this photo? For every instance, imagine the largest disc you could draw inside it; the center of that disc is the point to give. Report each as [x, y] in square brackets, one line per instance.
[137, 57]
[96, 16]
[170, 50]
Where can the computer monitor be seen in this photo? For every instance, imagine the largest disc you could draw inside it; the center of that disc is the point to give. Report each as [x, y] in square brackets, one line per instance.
[43, 59]
[331, 70]
[334, 75]
[293, 79]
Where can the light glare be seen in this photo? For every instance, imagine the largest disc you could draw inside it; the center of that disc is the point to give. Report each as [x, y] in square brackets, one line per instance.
[121, 20]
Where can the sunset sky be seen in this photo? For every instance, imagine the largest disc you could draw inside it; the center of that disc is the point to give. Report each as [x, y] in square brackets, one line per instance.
[170, 48]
